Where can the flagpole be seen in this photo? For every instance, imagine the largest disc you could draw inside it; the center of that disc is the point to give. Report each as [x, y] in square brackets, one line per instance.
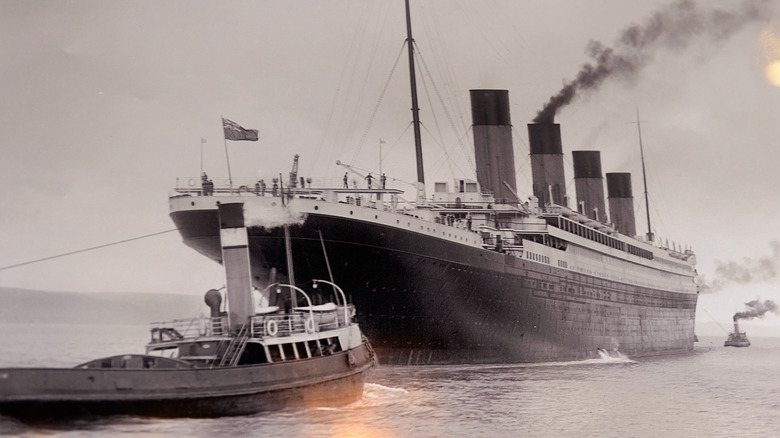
[380, 156]
[202, 140]
[227, 157]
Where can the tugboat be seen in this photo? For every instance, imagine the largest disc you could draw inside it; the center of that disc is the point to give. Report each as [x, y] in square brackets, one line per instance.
[239, 362]
[737, 338]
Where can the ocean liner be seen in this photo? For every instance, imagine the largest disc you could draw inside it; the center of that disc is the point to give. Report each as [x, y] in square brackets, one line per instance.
[474, 273]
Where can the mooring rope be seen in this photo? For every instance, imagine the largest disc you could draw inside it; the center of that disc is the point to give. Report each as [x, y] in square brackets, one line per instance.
[3, 268]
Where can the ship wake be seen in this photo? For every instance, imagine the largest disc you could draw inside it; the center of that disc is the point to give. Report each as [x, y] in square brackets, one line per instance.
[604, 357]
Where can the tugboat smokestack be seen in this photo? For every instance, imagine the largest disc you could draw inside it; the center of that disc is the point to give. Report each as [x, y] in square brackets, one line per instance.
[235, 257]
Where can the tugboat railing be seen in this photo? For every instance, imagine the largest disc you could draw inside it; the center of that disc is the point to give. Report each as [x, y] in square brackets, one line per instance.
[262, 326]
[301, 322]
[166, 331]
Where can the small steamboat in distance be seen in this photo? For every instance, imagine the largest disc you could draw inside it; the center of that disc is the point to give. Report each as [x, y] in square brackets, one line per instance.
[237, 362]
[737, 338]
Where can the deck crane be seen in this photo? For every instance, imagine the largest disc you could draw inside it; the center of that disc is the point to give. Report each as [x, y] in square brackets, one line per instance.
[294, 173]
[350, 168]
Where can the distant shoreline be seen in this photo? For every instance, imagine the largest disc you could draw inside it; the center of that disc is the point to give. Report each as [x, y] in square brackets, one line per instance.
[22, 306]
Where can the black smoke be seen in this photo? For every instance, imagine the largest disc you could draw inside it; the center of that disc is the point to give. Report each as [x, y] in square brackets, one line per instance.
[674, 27]
[756, 309]
[749, 270]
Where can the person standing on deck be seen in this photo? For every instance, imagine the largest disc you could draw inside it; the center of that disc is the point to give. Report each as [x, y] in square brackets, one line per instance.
[208, 185]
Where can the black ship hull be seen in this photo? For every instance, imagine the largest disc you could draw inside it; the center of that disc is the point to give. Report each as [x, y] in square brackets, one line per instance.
[426, 300]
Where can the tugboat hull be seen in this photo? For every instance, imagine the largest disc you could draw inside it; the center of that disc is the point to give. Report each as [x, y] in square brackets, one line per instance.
[55, 393]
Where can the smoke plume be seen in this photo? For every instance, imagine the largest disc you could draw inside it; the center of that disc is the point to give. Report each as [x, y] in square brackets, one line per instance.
[756, 309]
[750, 270]
[674, 27]
[269, 217]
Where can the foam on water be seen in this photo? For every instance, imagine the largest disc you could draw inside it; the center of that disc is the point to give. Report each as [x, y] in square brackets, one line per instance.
[605, 358]
[374, 394]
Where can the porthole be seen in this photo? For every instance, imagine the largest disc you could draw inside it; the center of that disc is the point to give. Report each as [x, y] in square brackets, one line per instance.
[316, 207]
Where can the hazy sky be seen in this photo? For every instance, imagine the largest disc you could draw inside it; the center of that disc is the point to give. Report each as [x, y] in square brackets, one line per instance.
[104, 105]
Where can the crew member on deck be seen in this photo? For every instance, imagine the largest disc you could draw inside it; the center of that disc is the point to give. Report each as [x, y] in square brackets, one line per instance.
[208, 185]
[346, 185]
[369, 178]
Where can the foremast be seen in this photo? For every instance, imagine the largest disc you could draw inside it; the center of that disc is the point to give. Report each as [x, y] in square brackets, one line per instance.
[415, 110]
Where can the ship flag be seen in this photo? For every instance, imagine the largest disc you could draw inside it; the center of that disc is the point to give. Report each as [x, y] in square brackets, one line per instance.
[234, 131]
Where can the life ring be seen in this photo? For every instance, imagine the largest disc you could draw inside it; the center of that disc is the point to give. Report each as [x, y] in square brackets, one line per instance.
[271, 328]
[351, 361]
[309, 325]
[191, 182]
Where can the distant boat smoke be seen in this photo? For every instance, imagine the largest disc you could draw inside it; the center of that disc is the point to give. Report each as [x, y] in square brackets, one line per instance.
[671, 28]
[756, 309]
[750, 270]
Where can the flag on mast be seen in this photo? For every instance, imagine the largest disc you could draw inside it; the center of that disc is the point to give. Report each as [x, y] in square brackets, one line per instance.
[234, 131]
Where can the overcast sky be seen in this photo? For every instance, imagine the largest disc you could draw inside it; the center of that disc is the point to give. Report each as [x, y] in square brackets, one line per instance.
[104, 105]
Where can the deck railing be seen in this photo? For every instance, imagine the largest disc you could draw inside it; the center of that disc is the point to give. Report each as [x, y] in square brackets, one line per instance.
[178, 329]
[270, 325]
[194, 185]
[300, 322]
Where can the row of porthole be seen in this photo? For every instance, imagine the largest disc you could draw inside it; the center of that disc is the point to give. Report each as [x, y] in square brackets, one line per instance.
[398, 222]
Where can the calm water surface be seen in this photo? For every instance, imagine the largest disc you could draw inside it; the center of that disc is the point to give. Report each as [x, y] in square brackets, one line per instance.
[713, 392]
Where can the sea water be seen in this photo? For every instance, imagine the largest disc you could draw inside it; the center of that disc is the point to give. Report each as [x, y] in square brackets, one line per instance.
[715, 391]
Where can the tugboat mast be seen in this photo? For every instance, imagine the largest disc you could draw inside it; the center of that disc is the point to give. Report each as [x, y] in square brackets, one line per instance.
[415, 110]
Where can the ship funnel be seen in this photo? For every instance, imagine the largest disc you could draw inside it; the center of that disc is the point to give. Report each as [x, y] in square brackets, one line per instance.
[235, 257]
[549, 183]
[621, 202]
[589, 184]
[493, 149]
